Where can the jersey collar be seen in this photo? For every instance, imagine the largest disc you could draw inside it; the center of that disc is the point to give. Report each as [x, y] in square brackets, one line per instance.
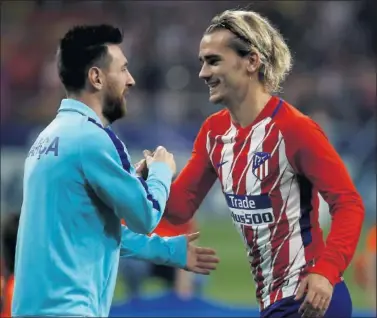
[73, 105]
[269, 110]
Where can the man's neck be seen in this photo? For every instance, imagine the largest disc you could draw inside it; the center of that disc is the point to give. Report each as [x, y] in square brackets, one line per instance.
[246, 111]
[92, 102]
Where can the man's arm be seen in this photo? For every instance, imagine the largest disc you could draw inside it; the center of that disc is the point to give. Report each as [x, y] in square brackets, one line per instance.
[316, 159]
[177, 251]
[170, 251]
[107, 170]
[192, 184]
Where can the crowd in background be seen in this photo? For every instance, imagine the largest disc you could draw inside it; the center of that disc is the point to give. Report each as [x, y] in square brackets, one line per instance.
[333, 74]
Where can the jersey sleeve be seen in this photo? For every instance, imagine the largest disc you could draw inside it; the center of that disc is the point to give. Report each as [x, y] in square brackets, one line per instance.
[314, 157]
[171, 251]
[193, 182]
[107, 170]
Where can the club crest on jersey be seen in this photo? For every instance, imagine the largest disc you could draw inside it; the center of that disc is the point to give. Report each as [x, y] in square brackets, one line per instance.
[260, 164]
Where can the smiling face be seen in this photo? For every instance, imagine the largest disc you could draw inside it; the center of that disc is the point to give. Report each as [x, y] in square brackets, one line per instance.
[223, 70]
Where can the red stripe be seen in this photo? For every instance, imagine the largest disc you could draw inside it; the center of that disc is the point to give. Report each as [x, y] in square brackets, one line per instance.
[218, 144]
[313, 250]
[251, 239]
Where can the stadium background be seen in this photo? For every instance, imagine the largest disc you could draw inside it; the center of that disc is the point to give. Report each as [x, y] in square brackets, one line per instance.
[333, 81]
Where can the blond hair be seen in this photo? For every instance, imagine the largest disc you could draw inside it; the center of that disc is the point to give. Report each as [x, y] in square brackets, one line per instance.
[255, 34]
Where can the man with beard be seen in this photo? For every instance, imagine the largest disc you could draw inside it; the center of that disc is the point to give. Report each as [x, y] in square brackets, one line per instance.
[78, 185]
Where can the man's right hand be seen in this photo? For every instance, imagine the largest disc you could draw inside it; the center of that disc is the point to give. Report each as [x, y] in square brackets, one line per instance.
[161, 155]
[200, 260]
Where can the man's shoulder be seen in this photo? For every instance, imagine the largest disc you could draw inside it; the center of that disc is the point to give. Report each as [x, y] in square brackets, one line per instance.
[218, 120]
[97, 141]
[221, 115]
[75, 134]
[291, 119]
[92, 129]
[291, 113]
[73, 127]
[94, 136]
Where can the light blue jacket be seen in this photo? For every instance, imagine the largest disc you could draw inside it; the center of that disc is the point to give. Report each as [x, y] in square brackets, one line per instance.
[78, 184]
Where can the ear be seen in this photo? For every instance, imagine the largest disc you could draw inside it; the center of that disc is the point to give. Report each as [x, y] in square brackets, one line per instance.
[253, 62]
[95, 77]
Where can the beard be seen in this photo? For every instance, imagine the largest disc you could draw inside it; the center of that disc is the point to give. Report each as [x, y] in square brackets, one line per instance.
[114, 106]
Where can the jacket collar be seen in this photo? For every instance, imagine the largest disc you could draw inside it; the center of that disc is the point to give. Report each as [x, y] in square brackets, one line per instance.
[73, 105]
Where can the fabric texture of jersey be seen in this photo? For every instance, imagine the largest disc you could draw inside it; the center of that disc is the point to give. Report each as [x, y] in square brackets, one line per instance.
[78, 185]
[271, 173]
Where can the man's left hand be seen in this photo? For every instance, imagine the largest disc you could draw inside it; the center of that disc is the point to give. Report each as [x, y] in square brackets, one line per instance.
[318, 295]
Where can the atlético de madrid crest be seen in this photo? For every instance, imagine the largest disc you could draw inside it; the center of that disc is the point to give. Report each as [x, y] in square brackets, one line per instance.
[260, 164]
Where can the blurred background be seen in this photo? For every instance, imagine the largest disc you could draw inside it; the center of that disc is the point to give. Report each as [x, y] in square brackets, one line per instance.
[333, 81]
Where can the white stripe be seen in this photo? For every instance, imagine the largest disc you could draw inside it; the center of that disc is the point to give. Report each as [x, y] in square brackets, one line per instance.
[283, 163]
[214, 145]
[269, 131]
[208, 144]
[227, 156]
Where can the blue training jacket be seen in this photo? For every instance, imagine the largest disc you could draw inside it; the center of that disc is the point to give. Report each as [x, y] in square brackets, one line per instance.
[78, 185]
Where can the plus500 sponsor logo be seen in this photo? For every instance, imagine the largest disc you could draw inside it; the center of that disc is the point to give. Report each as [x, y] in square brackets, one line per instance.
[254, 218]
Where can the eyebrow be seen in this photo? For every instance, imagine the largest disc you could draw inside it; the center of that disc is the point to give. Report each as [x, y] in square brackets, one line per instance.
[209, 56]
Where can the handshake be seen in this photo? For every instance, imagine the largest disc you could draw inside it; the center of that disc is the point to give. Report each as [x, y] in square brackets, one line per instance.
[159, 155]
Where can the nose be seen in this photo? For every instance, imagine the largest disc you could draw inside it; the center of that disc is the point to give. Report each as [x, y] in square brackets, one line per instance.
[130, 80]
[205, 72]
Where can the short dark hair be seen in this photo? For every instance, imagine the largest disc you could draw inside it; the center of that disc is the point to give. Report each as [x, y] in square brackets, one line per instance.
[9, 240]
[82, 47]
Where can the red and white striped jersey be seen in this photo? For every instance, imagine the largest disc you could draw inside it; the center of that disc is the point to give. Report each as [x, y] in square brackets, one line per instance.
[270, 173]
